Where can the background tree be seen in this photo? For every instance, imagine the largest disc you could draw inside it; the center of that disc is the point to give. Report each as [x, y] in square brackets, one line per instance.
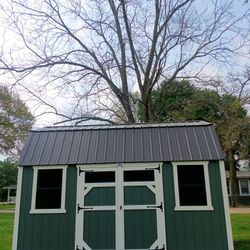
[8, 176]
[169, 101]
[15, 121]
[183, 101]
[98, 52]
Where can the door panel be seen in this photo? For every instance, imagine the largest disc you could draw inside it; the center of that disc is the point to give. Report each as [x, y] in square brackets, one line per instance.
[120, 208]
[99, 229]
[138, 195]
[100, 196]
[140, 229]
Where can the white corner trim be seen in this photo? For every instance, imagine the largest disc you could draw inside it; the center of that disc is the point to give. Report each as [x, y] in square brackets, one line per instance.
[178, 207]
[33, 210]
[17, 208]
[226, 206]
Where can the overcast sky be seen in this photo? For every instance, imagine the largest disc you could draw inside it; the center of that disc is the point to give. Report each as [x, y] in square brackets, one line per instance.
[64, 104]
[52, 96]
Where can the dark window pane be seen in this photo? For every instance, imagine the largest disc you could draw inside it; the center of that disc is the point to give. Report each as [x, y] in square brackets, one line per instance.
[49, 178]
[13, 192]
[244, 186]
[49, 189]
[96, 177]
[192, 189]
[139, 175]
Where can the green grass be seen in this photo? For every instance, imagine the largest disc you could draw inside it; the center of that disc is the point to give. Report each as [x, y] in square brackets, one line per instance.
[240, 225]
[6, 230]
[241, 231]
[7, 207]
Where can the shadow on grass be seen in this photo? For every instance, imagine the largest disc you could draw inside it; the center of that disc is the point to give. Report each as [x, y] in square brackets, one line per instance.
[242, 245]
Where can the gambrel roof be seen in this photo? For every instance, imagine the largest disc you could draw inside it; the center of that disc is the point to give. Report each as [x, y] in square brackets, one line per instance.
[190, 141]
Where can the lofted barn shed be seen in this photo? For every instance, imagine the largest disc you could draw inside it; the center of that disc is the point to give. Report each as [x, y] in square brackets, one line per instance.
[143, 187]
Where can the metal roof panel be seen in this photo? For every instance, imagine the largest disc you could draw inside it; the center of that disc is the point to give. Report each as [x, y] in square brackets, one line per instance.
[115, 144]
[129, 145]
[56, 150]
[75, 146]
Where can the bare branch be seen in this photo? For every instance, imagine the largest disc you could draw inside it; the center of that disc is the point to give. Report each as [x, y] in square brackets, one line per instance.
[99, 53]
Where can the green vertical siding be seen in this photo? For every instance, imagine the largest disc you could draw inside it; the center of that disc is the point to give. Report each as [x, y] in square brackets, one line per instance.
[138, 195]
[100, 196]
[99, 229]
[140, 228]
[47, 231]
[195, 230]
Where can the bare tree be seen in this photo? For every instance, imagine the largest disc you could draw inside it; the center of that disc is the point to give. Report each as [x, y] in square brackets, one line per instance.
[101, 51]
[240, 85]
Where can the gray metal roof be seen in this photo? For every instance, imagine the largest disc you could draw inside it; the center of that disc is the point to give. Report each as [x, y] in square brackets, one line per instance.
[121, 143]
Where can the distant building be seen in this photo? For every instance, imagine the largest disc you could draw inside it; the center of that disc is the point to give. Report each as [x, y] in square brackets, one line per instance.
[11, 194]
[243, 178]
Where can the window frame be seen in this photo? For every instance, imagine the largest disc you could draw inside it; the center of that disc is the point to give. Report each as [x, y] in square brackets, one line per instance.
[179, 207]
[228, 183]
[248, 182]
[62, 209]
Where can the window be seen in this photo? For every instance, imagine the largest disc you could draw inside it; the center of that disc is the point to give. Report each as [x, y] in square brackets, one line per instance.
[191, 183]
[98, 177]
[244, 187]
[138, 175]
[48, 195]
[192, 190]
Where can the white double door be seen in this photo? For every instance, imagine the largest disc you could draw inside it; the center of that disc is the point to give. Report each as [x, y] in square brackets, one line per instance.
[120, 207]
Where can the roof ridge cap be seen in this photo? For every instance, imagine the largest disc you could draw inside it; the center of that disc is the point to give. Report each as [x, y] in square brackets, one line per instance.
[122, 126]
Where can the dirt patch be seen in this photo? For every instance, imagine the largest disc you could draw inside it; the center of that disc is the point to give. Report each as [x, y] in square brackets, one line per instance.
[240, 210]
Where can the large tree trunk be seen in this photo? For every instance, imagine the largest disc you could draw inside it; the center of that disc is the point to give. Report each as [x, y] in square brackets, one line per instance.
[233, 179]
[144, 98]
[128, 111]
[147, 107]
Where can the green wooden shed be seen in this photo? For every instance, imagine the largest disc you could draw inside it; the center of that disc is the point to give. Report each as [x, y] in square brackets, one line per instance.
[141, 187]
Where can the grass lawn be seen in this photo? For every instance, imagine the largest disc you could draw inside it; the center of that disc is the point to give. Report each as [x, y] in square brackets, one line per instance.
[241, 231]
[7, 207]
[6, 230]
[240, 225]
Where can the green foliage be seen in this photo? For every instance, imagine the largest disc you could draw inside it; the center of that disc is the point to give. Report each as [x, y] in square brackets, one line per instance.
[203, 105]
[15, 121]
[168, 101]
[8, 174]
